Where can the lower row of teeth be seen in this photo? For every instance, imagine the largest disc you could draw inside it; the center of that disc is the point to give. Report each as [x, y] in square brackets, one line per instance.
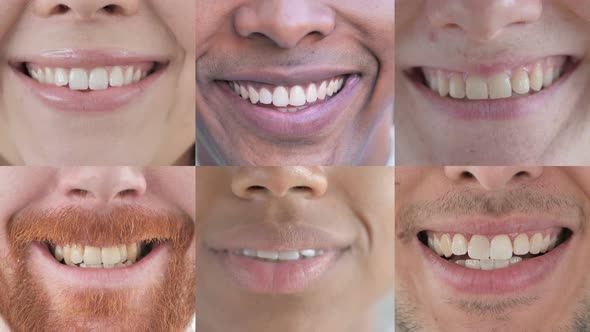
[97, 257]
[95, 79]
[283, 97]
[280, 255]
[484, 253]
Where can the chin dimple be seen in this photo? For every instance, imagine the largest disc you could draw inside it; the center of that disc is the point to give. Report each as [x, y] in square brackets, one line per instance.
[519, 81]
[98, 257]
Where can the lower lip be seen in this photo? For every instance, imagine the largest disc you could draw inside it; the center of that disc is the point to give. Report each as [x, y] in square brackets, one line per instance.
[308, 122]
[108, 100]
[514, 278]
[498, 109]
[277, 278]
[90, 277]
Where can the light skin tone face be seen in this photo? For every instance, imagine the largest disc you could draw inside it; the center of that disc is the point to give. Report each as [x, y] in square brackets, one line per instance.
[295, 37]
[489, 199]
[152, 128]
[464, 36]
[288, 208]
[42, 207]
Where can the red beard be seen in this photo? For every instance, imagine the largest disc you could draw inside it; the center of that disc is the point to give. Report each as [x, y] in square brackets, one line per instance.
[168, 306]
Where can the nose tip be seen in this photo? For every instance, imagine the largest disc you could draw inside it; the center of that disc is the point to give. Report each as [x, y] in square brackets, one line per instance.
[285, 23]
[101, 184]
[85, 9]
[493, 177]
[482, 20]
[252, 182]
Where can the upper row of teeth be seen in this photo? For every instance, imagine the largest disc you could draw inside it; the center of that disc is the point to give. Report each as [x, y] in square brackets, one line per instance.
[280, 255]
[520, 81]
[500, 247]
[288, 96]
[97, 257]
[99, 78]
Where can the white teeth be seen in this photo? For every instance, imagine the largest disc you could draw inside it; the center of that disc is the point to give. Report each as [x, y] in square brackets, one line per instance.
[297, 96]
[282, 96]
[99, 79]
[279, 255]
[312, 94]
[95, 257]
[253, 95]
[476, 88]
[78, 79]
[522, 81]
[521, 245]
[501, 247]
[479, 247]
[94, 79]
[500, 87]
[459, 246]
[265, 96]
[485, 254]
[117, 78]
[445, 245]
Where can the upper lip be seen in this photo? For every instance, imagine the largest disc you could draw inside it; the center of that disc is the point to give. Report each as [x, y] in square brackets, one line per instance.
[87, 58]
[284, 76]
[485, 225]
[288, 238]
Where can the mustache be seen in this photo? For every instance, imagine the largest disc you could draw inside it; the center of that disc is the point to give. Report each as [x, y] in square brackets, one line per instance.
[411, 218]
[101, 228]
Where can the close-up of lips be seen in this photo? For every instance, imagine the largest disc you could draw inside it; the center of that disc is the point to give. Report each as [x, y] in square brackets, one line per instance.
[99, 83]
[102, 249]
[492, 83]
[313, 84]
[277, 246]
[504, 246]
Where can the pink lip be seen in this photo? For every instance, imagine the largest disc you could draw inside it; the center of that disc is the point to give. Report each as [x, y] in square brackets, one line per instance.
[277, 278]
[311, 121]
[499, 109]
[512, 279]
[65, 99]
[87, 277]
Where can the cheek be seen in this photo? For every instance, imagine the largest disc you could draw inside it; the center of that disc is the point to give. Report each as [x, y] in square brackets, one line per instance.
[179, 17]
[11, 10]
[581, 8]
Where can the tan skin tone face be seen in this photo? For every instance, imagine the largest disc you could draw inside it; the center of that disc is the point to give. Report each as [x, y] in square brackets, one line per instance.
[351, 203]
[156, 128]
[241, 34]
[458, 33]
[57, 300]
[424, 302]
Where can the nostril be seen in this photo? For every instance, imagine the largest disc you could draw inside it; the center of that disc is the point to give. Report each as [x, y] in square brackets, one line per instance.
[81, 193]
[255, 188]
[128, 193]
[112, 9]
[60, 9]
[467, 175]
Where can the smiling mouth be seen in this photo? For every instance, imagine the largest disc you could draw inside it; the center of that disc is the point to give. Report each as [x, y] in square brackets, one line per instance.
[275, 256]
[483, 252]
[520, 81]
[85, 256]
[288, 99]
[90, 79]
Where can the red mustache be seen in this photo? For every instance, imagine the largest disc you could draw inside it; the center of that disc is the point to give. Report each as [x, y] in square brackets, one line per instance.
[115, 226]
